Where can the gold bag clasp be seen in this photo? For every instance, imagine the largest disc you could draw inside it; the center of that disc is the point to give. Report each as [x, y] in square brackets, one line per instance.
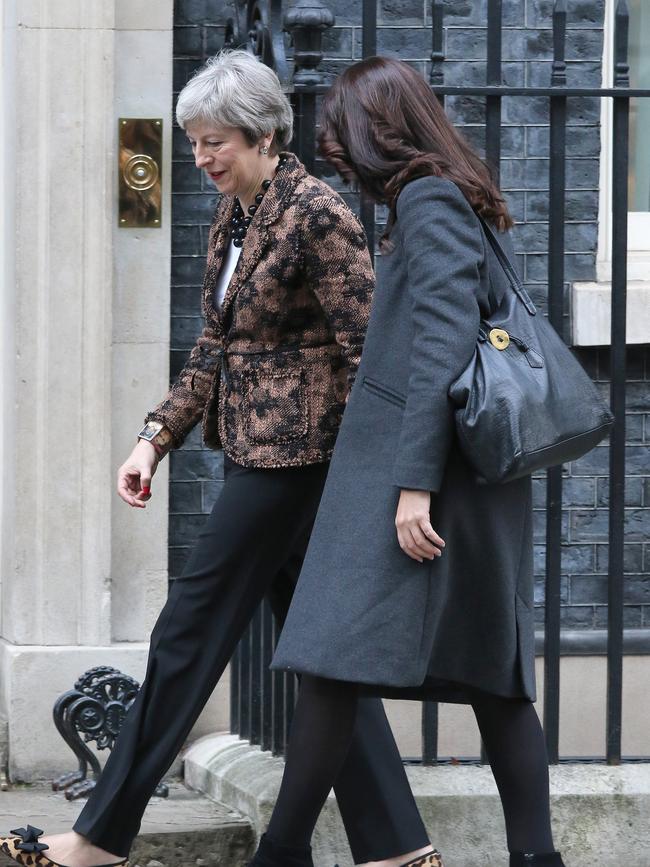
[499, 338]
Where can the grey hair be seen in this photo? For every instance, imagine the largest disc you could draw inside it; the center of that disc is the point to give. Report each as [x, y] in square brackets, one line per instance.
[237, 90]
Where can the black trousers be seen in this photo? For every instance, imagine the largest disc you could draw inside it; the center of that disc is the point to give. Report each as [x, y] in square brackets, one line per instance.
[253, 543]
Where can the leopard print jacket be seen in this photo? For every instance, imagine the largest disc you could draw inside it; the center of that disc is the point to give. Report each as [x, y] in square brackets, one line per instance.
[270, 373]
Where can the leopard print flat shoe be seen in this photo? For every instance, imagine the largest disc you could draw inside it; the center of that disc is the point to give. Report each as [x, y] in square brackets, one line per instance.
[431, 859]
[25, 849]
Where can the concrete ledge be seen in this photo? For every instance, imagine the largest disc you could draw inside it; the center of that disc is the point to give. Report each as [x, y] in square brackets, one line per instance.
[596, 809]
[591, 314]
[32, 677]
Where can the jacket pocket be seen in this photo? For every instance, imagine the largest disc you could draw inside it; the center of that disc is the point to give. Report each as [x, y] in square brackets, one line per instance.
[383, 391]
[274, 406]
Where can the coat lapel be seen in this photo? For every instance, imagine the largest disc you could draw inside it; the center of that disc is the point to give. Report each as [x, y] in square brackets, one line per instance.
[219, 240]
[251, 252]
[257, 237]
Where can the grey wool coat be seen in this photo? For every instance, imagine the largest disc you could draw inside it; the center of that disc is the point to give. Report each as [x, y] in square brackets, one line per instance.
[363, 610]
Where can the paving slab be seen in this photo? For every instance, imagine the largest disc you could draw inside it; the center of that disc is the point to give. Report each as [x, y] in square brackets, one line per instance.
[187, 829]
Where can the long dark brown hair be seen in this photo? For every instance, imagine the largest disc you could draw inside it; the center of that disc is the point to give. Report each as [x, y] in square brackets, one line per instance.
[382, 126]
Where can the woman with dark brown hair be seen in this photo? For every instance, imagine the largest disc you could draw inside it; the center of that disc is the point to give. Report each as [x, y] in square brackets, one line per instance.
[418, 580]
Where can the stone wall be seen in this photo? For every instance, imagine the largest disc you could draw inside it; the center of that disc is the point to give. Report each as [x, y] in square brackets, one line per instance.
[404, 32]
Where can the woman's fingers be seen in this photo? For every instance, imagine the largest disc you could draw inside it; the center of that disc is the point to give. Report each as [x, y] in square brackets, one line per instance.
[145, 486]
[406, 544]
[416, 536]
[414, 548]
[135, 474]
[426, 548]
[431, 534]
[128, 486]
[409, 545]
[414, 539]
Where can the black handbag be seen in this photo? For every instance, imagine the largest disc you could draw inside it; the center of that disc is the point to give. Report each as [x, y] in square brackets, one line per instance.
[524, 402]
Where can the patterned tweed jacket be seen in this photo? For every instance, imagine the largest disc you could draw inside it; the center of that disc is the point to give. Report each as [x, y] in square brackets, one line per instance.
[270, 374]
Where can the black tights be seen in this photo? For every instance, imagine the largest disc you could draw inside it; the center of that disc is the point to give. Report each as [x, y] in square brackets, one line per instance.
[320, 738]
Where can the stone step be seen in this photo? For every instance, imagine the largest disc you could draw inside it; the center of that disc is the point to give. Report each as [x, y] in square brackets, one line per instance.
[600, 813]
[187, 829]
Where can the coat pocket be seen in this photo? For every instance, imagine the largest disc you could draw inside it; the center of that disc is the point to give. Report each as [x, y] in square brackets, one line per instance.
[275, 407]
[383, 391]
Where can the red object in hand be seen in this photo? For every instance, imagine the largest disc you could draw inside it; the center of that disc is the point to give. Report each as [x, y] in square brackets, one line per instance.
[146, 490]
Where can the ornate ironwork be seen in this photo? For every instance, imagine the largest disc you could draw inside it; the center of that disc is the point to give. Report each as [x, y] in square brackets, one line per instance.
[235, 27]
[261, 26]
[306, 22]
[93, 711]
[257, 26]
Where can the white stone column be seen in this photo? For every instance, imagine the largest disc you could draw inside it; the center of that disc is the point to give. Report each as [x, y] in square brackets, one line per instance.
[142, 81]
[85, 340]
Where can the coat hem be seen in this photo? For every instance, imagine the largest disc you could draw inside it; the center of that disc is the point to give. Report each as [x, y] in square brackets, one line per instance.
[432, 688]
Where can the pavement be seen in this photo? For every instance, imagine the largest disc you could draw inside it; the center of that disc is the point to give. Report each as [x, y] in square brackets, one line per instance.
[186, 829]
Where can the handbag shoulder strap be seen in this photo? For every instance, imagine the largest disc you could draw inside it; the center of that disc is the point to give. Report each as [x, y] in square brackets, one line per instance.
[506, 264]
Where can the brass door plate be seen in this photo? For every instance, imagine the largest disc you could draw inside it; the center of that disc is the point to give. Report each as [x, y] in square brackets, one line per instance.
[140, 172]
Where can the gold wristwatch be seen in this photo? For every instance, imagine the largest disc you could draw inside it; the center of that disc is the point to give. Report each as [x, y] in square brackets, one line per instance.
[158, 435]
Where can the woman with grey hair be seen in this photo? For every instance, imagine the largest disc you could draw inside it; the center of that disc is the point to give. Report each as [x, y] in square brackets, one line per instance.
[286, 299]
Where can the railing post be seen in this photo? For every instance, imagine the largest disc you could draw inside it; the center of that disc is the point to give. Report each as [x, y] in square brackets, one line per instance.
[369, 28]
[429, 732]
[493, 103]
[255, 681]
[617, 388]
[306, 21]
[277, 701]
[430, 709]
[244, 713]
[437, 75]
[368, 49]
[557, 172]
[234, 692]
[266, 705]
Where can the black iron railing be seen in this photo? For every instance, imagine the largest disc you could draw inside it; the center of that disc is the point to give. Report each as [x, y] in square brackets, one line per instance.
[262, 701]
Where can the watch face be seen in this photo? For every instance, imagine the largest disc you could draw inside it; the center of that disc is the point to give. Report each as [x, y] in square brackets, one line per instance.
[150, 430]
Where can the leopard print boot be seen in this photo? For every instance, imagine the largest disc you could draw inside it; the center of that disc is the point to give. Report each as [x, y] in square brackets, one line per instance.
[431, 859]
[25, 849]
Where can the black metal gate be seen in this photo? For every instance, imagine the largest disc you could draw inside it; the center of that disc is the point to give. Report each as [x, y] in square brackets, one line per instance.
[262, 701]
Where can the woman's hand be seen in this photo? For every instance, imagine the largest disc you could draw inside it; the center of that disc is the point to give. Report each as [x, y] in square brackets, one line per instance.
[134, 476]
[416, 536]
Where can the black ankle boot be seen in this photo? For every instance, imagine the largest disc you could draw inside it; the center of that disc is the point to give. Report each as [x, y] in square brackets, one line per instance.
[272, 854]
[524, 859]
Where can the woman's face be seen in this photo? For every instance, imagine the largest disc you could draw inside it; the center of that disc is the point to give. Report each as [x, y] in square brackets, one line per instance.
[224, 153]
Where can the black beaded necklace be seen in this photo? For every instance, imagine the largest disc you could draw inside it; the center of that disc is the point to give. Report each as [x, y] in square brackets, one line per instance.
[239, 222]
